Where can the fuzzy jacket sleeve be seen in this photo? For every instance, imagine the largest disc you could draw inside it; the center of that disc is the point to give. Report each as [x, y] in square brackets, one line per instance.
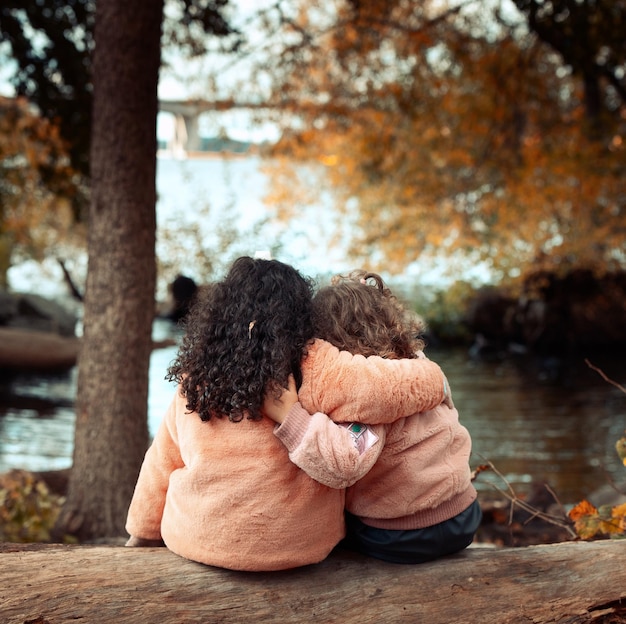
[163, 457]
[373, 390]
[327, 452]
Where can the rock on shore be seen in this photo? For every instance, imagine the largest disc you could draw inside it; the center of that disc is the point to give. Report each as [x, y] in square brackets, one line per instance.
[36, 333]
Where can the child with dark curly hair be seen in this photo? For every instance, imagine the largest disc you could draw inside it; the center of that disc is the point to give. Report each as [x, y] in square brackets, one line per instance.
[216, 486]
[417, 502]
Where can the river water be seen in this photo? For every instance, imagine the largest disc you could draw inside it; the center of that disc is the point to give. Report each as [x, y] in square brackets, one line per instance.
[536, 421]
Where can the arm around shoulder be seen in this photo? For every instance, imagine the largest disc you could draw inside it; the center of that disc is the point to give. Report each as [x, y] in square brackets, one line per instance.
[369, 390]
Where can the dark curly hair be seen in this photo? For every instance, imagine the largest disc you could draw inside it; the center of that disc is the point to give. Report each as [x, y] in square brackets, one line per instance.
[358, 313]
[244, 336]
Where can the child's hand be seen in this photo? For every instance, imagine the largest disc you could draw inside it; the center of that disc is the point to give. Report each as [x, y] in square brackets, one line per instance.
[277, 408]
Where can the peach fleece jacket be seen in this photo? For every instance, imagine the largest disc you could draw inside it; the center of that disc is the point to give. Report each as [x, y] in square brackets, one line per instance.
[226, 494]
[422, 476]
[416, 475]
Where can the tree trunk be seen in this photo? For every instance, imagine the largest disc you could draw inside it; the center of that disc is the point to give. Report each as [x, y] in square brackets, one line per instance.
[111, 407]
[567, 583]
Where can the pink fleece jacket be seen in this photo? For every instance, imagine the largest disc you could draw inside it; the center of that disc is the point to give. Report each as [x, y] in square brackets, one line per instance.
[226, 494]
[417, 474]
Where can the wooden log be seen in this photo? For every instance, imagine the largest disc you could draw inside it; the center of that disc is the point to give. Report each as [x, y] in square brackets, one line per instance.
[569, 583]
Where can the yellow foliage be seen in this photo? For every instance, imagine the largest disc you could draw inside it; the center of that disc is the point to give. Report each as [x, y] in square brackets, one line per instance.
[28, 510]
[37, 183]
[619, 514]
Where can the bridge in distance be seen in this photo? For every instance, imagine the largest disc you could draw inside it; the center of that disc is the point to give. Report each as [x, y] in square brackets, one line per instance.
[187, 114]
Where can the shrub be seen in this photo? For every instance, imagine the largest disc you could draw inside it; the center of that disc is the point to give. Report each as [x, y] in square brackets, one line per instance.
[28, 510]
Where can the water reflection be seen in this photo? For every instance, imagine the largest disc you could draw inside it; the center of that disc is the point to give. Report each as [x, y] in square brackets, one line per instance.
[37, 421]
[535, 423]
[555, 427]
[37, 411]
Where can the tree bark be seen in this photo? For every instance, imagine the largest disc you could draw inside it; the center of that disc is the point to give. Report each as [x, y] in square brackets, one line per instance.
[111, 408]
[571, 582]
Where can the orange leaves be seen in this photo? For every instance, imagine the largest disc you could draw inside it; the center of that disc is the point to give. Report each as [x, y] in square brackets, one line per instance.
[607, 520]
[590, 522]
[584, 508]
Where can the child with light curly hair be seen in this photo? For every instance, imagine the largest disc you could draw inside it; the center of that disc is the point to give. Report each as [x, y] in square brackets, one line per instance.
[417, 502]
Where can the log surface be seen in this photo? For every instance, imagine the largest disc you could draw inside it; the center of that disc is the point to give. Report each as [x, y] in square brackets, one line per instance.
[565, 583]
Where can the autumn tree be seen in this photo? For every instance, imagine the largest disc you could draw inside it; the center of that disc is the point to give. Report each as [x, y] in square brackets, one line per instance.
[452, 130]
[108, 125]
[37, 184]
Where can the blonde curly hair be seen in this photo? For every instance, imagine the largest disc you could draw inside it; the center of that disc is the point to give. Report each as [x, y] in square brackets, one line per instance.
[360, 314]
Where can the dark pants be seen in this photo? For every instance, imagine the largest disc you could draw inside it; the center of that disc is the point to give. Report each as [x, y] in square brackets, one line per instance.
[415, 545]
